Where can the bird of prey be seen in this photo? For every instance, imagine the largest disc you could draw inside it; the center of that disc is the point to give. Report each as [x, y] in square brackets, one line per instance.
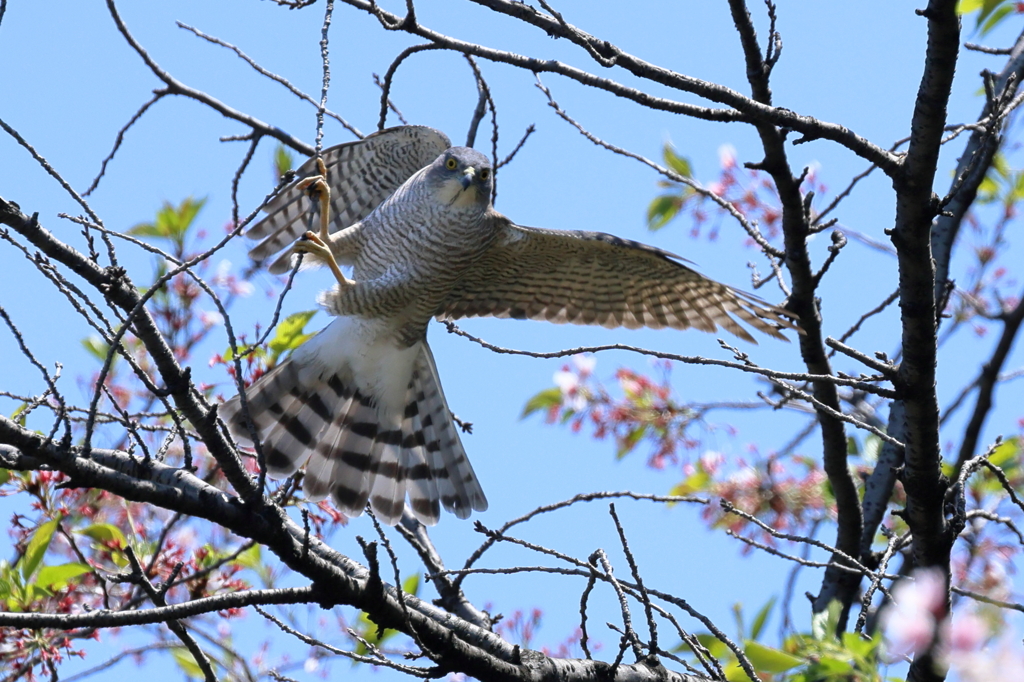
[360, 404]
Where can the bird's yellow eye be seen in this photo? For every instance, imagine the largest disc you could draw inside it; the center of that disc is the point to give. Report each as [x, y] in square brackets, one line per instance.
[485, 173]
[451, 164]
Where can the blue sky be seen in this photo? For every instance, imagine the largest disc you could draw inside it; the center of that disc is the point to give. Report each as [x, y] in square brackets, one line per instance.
[70, 82]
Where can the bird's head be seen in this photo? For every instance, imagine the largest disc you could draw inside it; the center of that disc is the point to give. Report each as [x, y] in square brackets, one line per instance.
[462, 177]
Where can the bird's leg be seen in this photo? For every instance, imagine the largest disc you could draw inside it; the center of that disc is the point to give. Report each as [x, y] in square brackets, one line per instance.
[316, 188]
[312, 244]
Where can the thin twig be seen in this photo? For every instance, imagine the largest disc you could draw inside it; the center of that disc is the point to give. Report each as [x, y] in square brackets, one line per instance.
[988, 50]
[987, 600]
[119, 139]
[627, 620]
[138, 577]
[750, 228]
[732, 509]
[389, 75]
[687, 359]
[399, 592]
[377, 659]
[176, 87]
[272, 76]
[50, 382]
[325, 58]
[652, 626]
[530, 129]
[585, 497]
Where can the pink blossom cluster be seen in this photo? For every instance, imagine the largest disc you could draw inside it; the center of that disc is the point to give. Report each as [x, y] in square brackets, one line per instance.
[976, 648]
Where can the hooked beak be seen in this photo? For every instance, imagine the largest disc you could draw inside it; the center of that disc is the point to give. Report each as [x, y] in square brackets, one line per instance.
[467, 177]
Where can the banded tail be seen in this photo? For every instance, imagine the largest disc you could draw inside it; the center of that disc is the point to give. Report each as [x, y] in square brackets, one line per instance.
[361, 437]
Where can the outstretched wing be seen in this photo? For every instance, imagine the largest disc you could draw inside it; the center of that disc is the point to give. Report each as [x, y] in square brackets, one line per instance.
[361, 175]
[596, 278]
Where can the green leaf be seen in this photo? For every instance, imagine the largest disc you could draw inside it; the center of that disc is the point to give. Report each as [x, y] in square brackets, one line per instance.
[411, 585]
[824, 623]
[34, 592]
[761, 618]
[109, 538]
[146, 230]
[105, 534]
[372, 634]
[769, 660]
[988, 189]
[183, 657]
[734, 673]
[852, 447]
[997, 16]
[997, 173]
[57, 577]
[861, 648]
[632, 439]
[250, 559]
[20, 420]
[1017, 190]
[9, 579]
[715, 646]
[98, 348]
[283, 161]
[677, 163]
[986, 8]
[290, 333]
[1006, 452]
[544, 400]
[968, 6]
[696, 482]
[36, 548]
[662, 210]
[737, 613]
[172, 222]
[229, 355]
[376, 635]
[1000, 165]
[6, 474]
[872, 446]
[829, 665]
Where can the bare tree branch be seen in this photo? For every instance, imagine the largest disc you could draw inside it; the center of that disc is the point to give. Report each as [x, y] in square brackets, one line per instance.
[176, 87]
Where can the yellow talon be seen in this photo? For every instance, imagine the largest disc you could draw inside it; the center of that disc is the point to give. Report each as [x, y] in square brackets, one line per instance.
[317, 189]
[312, 244]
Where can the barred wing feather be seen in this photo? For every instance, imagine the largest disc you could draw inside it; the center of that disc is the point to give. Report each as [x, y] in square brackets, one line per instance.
[361, 175]
[596, 278]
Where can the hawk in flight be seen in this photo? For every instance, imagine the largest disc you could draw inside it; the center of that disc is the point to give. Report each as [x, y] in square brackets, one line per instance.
[360, 404]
